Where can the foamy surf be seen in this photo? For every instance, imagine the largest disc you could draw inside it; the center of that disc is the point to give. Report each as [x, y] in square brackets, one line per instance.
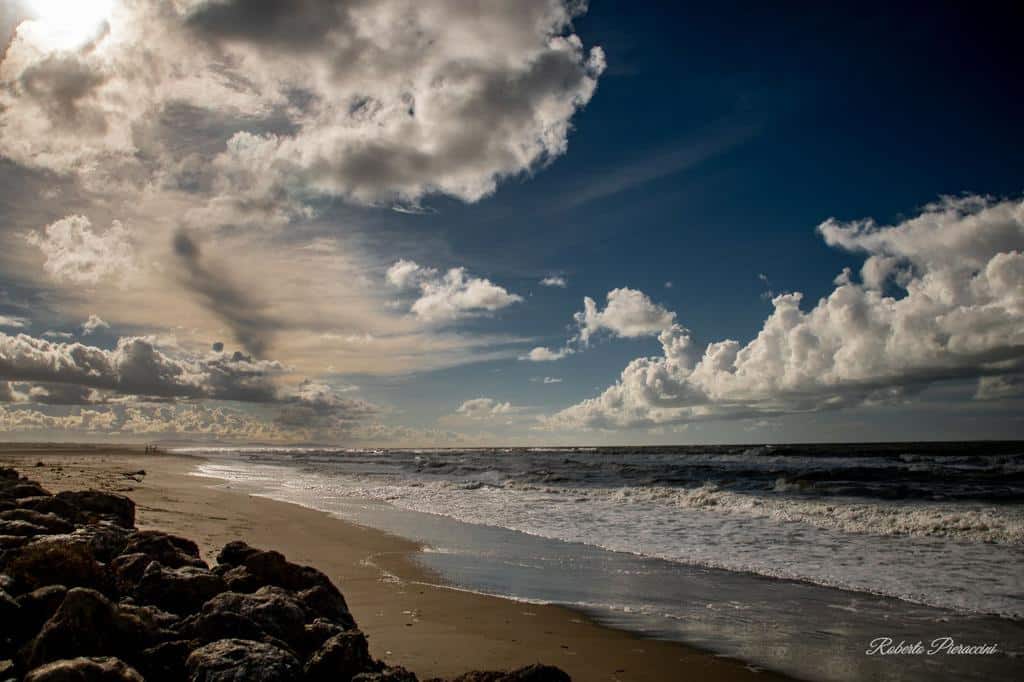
[704, 547]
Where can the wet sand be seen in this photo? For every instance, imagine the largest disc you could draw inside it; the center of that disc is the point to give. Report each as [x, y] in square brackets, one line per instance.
[411, 619]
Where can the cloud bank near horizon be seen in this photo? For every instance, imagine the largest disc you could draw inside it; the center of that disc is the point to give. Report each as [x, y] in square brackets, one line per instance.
[939, 297]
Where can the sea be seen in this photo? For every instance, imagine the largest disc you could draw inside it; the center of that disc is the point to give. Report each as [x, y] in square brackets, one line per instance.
[792, 558]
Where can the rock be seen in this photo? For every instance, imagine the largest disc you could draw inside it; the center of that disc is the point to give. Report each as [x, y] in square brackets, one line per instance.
[215, 625]
[22, 489]
[55, 560]
[165, 662]
[273, 609]
[340, 658]
[12, 541]
[234, 553]
[22, 528]
[95, 505]
[151, 616]
[240, 660]
[318, 632]
[9, 474]
[128, 570]
[178, 590]
[396, 674]
[83, 669]
[531, 673]
[51, 522]
[38, 606]
[47, 504]
[170, 550]
[255, 569]
[261, 568]
[105, 539]
[327, 602]
[89, 624]
[10, 624]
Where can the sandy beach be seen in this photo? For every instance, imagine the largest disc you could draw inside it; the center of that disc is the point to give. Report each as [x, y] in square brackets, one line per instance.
[410, 617]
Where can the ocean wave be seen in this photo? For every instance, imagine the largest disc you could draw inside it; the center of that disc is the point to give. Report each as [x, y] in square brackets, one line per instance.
[838, 543]
[984, 524]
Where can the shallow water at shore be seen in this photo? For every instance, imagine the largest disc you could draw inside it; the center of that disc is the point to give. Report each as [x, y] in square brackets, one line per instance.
[808, 630]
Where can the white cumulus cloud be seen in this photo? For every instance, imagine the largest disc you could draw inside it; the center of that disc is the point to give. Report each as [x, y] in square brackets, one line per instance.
[940, 297]
[93, 323]
[485, 408]
[78, 254]
[13, 322]
[628, 313]
[545, 354]
[447, 297]
[383, 102]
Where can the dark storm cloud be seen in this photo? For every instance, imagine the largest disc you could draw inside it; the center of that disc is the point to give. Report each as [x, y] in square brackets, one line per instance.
[37, 371]
[62, 84]
[251, 325]
[315, 405]
[48, 394]
[298, 25]
[136, 367]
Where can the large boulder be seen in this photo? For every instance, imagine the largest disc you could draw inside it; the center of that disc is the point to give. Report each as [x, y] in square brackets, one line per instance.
[165, 662]
[48, 504]
[17, 490]
[325, 601]
[37, 607]
[170, 550]
[273, 609]
[127, 570]
[99, 669]
[105, 539]
[234, 553]
[10, 624]
[256, 568]
[318, 632]
[241, 660]
[94, 505]
[152, 617]
[12, 542]
[252, 569]
[89, 624]
[22, 528]
[55, 560]
[48, 520]
[217, 624]
[178, 590]
[340, 658]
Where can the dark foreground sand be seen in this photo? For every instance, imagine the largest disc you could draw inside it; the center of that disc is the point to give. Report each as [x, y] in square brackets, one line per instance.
[410, 621]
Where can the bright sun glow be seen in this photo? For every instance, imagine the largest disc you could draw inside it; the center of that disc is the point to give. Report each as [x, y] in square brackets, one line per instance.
[66, 24]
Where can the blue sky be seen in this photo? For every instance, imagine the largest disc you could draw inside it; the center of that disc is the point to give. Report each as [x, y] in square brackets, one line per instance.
[689, 155]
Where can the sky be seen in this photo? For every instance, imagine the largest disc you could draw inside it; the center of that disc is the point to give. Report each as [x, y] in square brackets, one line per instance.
[447, 223]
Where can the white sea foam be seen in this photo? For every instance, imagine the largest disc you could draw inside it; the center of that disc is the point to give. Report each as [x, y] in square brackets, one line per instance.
[958, 555]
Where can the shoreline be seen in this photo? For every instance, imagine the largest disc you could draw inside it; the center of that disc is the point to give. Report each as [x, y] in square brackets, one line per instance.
[408, 612]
